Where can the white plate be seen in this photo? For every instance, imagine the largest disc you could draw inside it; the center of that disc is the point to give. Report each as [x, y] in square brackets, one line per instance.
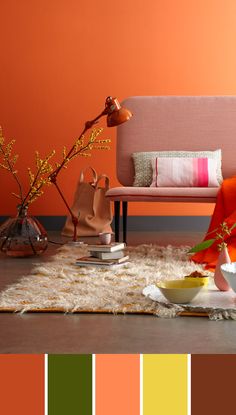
[209, 297]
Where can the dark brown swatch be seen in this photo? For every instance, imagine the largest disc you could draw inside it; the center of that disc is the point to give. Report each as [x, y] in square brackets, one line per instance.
[213, 384]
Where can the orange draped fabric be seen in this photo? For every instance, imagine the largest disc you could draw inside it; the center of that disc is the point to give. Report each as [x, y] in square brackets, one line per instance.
[225, 211]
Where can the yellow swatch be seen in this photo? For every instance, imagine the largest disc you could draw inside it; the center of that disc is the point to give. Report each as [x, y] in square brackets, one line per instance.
[165, 384]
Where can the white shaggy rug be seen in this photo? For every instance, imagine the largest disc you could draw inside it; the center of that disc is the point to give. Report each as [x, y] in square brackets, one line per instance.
[60, 285]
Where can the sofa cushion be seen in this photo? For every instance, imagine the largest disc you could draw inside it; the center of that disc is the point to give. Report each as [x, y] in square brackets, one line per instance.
[165, 194]
[143, 163]
[184, 172]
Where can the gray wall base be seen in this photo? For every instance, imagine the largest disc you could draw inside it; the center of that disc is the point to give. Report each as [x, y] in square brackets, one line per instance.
[168, 223]
[140, 223]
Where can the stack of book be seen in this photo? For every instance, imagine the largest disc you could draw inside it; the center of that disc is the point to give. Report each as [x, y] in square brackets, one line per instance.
[104, 255]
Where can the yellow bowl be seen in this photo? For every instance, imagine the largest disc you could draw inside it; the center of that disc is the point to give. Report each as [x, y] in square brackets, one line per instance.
[205, 279]
[180, 291]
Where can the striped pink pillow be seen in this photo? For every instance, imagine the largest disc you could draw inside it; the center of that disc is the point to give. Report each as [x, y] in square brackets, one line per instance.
[184, 172]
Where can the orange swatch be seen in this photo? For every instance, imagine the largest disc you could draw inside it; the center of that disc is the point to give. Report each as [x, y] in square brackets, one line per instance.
[117, 384]
[22, 384]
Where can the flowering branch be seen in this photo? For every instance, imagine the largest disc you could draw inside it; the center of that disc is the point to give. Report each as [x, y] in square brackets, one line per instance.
[81, 148]
[39, 178]
[9, 161]
[221, 233]
[45, 174]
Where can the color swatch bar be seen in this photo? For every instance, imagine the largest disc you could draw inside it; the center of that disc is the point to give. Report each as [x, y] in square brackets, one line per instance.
[117, 384]
[165, 384]
[22, 384]
[69, 384]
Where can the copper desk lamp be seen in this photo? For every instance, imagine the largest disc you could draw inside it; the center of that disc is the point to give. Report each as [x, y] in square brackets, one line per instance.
[116, 115]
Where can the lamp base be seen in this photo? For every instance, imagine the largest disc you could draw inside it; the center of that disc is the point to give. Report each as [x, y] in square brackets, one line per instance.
[75, 243]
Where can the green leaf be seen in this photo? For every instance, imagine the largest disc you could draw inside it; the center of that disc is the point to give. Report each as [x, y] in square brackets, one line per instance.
[203, 245]
[232, 227]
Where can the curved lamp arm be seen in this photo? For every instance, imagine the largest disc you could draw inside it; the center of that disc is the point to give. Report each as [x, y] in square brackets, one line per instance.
[116, 114]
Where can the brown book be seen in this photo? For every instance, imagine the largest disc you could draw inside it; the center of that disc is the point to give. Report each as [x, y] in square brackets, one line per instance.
[89, 260]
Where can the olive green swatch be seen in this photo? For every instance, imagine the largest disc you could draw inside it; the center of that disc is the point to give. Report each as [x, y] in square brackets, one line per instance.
[69, 384]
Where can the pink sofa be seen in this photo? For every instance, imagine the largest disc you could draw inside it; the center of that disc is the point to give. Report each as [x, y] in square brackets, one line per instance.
[172, 123]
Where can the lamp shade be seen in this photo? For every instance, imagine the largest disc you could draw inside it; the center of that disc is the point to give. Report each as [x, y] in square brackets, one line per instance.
[116, 113]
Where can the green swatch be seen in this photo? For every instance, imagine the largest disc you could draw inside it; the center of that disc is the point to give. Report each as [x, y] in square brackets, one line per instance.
[69, 384]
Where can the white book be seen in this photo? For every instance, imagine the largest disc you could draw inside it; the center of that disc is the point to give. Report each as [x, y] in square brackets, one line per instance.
[108, 255]
[114, 246]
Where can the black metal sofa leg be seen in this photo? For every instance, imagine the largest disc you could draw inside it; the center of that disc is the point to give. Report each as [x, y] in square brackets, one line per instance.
[117, 220]
[124, 212]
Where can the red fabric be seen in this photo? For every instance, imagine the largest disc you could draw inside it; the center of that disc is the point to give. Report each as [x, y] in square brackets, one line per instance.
[225, 211]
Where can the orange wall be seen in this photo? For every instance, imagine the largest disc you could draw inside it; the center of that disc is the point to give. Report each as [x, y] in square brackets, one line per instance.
[61, 58]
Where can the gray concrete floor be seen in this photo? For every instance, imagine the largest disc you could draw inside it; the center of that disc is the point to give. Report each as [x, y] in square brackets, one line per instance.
[103, 333]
